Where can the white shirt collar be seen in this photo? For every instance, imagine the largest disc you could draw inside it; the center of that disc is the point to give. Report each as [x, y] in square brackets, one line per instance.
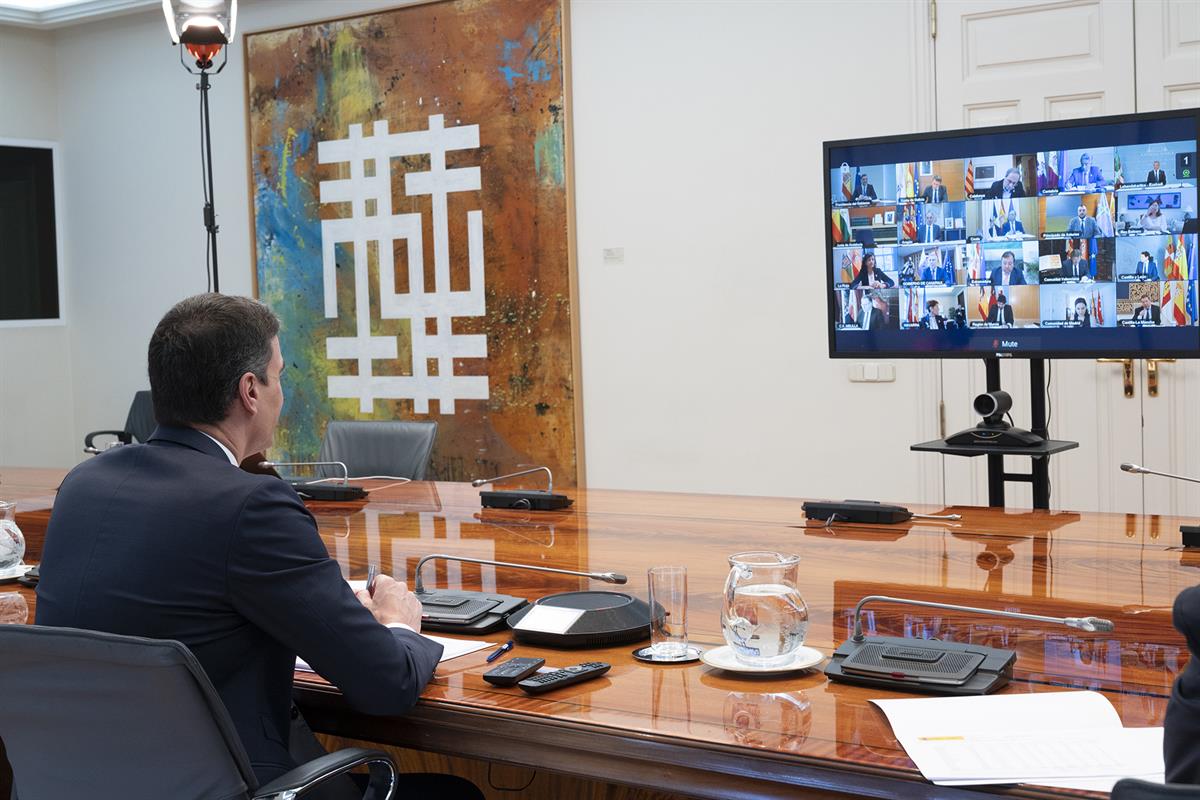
[224, 450]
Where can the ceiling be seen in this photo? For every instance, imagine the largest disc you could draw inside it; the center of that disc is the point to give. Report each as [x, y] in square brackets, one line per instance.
[58, 13]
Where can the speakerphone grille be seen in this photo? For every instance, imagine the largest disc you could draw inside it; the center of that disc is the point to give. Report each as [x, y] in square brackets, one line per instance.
[870, 659]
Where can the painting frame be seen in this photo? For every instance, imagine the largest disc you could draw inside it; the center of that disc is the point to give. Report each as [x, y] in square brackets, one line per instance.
[571, 233]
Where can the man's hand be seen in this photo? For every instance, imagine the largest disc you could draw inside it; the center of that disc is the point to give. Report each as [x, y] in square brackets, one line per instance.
[392, 602]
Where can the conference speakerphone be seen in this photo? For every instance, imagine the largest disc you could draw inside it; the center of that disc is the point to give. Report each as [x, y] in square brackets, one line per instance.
[867, 511]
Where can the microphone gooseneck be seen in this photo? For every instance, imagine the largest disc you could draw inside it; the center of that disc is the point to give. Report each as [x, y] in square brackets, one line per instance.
[1140, 470]
[273, 464]
[549, 478]
[1090, 624]
[607, 577]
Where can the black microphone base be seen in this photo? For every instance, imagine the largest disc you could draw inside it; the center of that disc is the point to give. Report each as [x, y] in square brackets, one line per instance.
[472, 613]
[1190, 534]
[921, 665]
[525, 500]
[996, 437]
[329, 491]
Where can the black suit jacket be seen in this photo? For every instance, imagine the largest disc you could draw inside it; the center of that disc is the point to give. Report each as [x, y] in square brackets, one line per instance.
[1156, 177]
[994, 315]
[1181, 725]
[996, 191]
[1155, 314]
[170, 540]
[934, 194]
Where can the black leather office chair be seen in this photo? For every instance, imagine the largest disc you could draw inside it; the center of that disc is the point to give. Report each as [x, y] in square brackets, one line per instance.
[95, 715]
[139, 424]
[1133, 789]
[388, 447]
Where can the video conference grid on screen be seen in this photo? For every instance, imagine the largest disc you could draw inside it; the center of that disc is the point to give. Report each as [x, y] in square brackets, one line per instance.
[1102, 235]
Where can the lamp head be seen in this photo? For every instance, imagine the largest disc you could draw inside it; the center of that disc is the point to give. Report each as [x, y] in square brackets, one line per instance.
[202, 26]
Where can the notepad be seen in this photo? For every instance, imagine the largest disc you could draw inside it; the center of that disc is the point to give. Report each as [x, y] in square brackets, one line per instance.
[1066, 739]
[451, 648]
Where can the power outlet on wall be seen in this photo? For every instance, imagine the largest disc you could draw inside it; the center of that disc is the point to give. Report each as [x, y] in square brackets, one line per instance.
[614, 255]
[872, 372]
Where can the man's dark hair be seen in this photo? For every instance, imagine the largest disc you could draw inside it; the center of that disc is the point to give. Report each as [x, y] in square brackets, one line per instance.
[199, 352]
[1008, 254]
[931, 304]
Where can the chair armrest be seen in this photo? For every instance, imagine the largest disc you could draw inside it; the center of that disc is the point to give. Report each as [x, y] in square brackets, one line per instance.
[296, 782]
[125, 437]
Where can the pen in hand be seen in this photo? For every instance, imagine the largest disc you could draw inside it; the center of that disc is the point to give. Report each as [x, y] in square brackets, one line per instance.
[504, 648]
[372, 572]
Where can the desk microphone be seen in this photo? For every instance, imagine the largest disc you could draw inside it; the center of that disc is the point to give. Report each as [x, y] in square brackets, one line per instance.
[1190, 533]
[460, 611]
[319, 488]
[931, 665]
[526, 499]
[607, 577]
[1140, 470]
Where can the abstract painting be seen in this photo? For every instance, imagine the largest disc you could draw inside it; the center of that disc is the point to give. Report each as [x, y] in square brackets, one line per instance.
[412, 229]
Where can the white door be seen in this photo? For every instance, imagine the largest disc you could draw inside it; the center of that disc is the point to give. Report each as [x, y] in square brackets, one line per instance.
[1024, 61]
[1167, 57]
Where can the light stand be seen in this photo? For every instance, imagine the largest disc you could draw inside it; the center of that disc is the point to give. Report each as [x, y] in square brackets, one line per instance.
[203, 65]
[204, 28]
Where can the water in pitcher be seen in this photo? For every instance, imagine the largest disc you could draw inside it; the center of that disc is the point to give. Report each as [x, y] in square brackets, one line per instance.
[766, 624]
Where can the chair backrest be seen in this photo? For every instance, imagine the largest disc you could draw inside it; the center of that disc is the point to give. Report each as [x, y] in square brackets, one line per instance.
[141, 422]
[1133, 789]
[380, 448]
[102, 716]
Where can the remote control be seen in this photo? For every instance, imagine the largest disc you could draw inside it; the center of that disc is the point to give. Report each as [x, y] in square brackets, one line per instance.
[513, 670]
[563, 677]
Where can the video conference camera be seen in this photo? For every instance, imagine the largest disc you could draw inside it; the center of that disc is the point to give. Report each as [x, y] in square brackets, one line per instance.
[993, 430]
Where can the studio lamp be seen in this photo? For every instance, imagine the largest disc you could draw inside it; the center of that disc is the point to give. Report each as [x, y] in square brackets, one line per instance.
[204, 28]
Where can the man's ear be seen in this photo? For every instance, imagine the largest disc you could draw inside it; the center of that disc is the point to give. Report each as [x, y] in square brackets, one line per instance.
[248, 392]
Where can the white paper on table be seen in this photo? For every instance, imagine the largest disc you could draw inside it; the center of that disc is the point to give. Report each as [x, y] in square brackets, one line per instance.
[1003, 738]
[451, 648]
[1099, 784]
[548, 619]
[1031, 757]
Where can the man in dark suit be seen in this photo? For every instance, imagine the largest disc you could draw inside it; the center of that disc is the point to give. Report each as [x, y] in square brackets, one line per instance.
[864, 190]
[1156, 175]
[933, 319]
[1181, 724]
[1085, 176]
[1146, 268]
[1010, 186]
[1007, 274]
[1083, 224]
[171, 540]
[935, 192]
[930, 230]
[1147, 312]
[1001, 312]
[1076, 267]
[872, 316]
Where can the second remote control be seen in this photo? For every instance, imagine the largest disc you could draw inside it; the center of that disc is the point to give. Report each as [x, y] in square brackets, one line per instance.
[513, 670]
[566, 676]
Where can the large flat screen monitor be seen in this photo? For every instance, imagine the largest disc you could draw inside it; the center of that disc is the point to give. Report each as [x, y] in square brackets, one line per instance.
[1073, 239]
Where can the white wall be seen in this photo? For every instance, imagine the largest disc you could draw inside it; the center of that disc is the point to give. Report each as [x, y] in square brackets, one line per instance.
[36, 387]
[697, 150]
[698, 130]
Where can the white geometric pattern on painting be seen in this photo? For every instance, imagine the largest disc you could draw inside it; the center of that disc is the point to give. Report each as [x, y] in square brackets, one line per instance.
[371, 220]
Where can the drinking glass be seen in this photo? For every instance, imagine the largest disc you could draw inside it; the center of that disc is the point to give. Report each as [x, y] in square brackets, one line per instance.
[668, 612]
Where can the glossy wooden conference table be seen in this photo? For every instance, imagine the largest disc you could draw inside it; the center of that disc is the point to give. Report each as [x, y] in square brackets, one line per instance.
[698, 731]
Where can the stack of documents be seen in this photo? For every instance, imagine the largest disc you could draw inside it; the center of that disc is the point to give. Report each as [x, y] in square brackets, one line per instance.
[1071, 740]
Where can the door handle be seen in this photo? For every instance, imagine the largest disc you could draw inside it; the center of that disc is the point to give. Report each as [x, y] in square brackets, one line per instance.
[1152, 374]
[1126, 369]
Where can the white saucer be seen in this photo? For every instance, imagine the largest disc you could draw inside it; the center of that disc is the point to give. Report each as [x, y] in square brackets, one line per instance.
[15, 571]
[724, 658]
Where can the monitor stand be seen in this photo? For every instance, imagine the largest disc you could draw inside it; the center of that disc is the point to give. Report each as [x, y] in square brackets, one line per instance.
[1039, 474]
